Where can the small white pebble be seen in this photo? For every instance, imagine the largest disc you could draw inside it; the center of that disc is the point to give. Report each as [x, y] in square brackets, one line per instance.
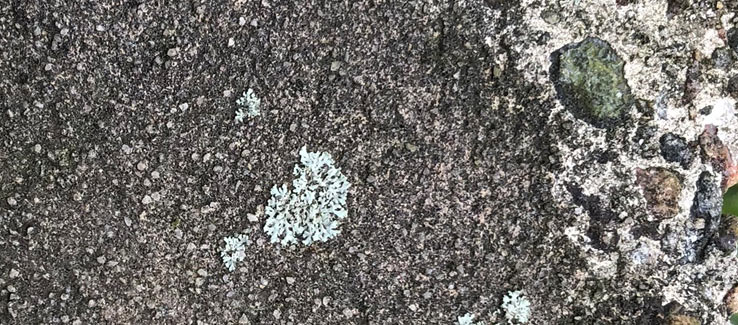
[146, 200]
[326, 300]
[14, 273]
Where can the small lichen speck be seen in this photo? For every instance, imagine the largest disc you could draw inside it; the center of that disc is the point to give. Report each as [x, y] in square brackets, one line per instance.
[251, 103]
[234, 251]
[468, 320]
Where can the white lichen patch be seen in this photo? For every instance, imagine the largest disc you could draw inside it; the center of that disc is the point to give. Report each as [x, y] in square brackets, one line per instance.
[516, 307]
[313, 209]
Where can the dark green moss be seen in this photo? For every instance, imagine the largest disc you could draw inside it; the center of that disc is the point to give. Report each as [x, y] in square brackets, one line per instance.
[730, 201]
[590, 82]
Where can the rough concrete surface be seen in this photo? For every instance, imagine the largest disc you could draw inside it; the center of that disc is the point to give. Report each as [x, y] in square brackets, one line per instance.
[122, 168]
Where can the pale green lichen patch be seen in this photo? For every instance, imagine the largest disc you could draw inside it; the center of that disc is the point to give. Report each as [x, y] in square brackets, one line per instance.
[590, 82]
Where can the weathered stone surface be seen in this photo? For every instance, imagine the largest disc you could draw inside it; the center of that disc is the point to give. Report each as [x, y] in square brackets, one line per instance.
[662, 189]
[590, 81]
[442, 114]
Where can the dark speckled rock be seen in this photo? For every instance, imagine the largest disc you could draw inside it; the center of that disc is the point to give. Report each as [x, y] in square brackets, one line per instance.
[675, 148]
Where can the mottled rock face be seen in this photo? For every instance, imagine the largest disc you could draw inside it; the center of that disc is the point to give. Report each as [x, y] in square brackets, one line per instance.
[662, 188]
[590, 82]
[675, 148]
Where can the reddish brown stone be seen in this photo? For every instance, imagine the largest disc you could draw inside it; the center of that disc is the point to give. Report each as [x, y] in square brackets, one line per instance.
[714, 152]
[731, 300]
[662, 189]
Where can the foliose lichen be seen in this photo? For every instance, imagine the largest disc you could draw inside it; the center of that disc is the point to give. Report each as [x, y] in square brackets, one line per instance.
[313, 209]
